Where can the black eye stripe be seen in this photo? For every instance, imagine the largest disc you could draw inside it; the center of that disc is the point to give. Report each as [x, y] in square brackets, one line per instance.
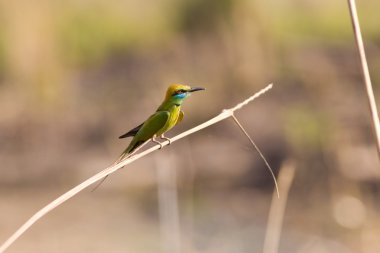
[179, 92]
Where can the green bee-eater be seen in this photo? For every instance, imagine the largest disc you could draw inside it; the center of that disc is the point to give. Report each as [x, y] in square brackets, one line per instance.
[167, 116]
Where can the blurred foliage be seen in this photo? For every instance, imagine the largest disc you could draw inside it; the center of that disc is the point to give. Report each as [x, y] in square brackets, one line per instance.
[305, 129]
[91, 33]
[196, 16]
[320, 22]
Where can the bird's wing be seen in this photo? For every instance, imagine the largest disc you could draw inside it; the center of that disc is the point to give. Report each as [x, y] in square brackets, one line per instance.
[180, 117]
[153, 124]
[131, 132]
[150, 127]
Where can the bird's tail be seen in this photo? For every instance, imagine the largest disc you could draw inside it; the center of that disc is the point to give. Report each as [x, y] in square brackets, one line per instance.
[129, 150]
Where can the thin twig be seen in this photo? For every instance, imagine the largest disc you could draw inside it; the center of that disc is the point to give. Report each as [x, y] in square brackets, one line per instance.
[365, 71]
[258, 151]
[113, 168]
[277, 208]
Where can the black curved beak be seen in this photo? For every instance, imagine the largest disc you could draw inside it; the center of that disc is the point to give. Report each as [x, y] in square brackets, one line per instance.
[196, 89]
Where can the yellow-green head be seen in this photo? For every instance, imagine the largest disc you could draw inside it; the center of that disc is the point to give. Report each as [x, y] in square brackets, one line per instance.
[180, 91]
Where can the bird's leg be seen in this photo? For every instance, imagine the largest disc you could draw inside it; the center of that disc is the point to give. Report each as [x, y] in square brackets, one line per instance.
[155, 141]
[165, 138]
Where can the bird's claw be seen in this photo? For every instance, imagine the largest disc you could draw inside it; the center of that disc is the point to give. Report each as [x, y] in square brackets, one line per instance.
[159, 143]
[167, 139]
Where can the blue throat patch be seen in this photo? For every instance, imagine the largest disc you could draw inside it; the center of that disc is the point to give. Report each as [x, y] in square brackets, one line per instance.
[180, 95]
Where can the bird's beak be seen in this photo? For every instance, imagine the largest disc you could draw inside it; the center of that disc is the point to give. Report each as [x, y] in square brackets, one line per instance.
[196, 89]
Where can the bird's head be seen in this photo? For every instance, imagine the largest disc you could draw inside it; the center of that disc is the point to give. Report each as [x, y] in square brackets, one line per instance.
[180, 92]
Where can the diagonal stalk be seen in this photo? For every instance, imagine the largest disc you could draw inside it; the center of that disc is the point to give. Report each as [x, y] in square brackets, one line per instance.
[365, 72]
[115, 167]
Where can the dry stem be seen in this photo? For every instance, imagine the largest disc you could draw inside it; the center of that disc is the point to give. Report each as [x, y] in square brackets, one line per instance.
[52, 205]
[365, 71]
[277, 208]
[168, 204]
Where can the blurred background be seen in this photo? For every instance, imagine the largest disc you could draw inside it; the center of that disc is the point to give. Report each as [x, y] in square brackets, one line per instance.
[76, 74]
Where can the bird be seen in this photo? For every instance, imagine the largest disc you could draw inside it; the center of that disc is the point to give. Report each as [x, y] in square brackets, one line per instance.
[167, 115]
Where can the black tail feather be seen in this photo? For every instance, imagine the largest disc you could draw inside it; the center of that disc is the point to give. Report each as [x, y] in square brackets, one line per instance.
[131, 132]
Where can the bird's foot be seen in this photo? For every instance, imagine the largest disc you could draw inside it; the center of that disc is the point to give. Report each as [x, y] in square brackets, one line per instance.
[159, 143]
[166, 138]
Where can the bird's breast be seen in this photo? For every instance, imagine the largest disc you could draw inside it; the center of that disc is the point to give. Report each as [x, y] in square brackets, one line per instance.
[172, 120]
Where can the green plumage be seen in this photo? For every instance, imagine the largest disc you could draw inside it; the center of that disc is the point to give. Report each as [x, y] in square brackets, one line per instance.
[167, 116]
